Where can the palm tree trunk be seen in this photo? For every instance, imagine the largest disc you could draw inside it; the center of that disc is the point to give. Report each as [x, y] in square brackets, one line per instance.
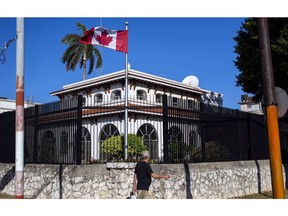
[84, 63]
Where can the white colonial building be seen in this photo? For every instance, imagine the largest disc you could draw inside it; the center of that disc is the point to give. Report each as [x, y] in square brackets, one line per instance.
[7, 105]
[145, 93]
[248, 105]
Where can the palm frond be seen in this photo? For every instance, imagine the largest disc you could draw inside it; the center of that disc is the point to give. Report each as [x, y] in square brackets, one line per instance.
[98, 55]
[81, 27]
[68, 52]
[70, 39]
[76, 57]
[91, 63]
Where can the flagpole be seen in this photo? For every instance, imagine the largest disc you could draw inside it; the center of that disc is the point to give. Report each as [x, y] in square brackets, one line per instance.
[126, 104]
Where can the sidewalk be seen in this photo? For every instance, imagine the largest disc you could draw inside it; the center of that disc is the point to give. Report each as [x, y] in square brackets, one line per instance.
[264, 195]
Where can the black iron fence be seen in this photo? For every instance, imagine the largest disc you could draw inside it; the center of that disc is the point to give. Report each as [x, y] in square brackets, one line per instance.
[80, 131]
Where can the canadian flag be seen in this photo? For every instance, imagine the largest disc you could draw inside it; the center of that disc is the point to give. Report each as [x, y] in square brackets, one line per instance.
[113, 39]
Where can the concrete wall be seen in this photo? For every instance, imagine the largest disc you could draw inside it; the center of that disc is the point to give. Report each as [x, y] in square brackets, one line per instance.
[114, 180]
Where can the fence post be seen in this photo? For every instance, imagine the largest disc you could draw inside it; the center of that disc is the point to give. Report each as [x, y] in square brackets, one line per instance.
[165, 128]
[238, 135]
[35, 143]
[202, 132]
[79, 130]
[249, 137]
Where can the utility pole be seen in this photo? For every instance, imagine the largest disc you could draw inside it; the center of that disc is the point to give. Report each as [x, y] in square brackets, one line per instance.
[19, 142]
[271, 110]
[126, 105]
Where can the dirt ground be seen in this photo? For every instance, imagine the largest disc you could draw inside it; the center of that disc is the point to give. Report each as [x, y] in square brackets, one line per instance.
[264, 195]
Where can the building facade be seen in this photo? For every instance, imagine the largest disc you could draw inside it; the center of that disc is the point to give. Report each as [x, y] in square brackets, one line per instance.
[248, 105]
[145, 93]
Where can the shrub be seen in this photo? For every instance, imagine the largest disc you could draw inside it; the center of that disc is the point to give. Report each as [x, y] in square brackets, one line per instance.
[114, 146]
[213, 152]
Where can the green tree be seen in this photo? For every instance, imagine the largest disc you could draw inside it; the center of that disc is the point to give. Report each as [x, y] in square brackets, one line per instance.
[213, 152]
[78, 53]
[114, 146]
[248, 55]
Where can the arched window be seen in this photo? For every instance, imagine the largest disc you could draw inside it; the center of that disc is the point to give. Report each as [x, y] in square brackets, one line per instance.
[107, 131]
[175, 135]
[86, 145]
[64, 143]
[175, 144]
[141, 95]
[150, 139]
[98, 98]
[116, 94]
[192, 138]
[48, 147]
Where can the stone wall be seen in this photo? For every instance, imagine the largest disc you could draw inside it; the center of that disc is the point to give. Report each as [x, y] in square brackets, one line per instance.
[114, 180]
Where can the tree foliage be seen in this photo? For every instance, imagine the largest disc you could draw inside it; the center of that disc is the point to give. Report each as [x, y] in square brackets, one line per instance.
[248, 55]
[213, 152]
[78, 53]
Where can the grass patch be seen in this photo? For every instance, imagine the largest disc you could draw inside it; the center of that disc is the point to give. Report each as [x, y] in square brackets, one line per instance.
[263, 195]
[6, 196]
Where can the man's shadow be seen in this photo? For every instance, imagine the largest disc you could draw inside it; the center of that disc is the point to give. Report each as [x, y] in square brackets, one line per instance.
[9, 175]
[188, 180]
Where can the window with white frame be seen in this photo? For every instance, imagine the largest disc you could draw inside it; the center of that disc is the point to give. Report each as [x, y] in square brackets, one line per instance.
[64, 142]
[175, 135]
[141, 95]
[159, 98]
[116, 94]
[83, 100]
[107, 131]
[98, 98]
[175, 101]
[190, 104]
[150, 138]
[192, 138]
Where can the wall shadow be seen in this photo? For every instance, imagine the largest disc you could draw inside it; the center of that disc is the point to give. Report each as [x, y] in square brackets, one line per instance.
[284, 156]
[286, 173]
[45, 184]
[9, 176]
[258, 176]
[188, 180]
[60, 181]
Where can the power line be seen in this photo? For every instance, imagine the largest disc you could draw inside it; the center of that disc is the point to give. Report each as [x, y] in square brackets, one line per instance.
[2, 51]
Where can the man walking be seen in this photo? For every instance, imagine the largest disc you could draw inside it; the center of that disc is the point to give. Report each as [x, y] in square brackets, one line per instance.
[142, 176]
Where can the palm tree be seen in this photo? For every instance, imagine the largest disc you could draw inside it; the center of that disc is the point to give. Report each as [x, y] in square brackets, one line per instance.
[80, 53]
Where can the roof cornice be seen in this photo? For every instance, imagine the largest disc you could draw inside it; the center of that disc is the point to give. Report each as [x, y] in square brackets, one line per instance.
[81, 85]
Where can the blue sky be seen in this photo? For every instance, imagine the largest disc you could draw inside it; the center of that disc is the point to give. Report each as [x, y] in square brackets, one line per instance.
[169, 47]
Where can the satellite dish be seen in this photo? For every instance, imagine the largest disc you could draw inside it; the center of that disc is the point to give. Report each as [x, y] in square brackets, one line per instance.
[281, 99]
[191, 80]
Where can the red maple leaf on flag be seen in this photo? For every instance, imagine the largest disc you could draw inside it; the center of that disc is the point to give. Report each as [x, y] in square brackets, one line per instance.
[103, 39]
